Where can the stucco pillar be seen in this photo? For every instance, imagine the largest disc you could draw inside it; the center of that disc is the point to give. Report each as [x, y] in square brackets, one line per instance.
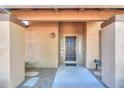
[12, 51]
[113, 51]
[92, 43]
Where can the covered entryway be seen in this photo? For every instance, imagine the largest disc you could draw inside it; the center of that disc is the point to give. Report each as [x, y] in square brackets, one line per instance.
[52, 38]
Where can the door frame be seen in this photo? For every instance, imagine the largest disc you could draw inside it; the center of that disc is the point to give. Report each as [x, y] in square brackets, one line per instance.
[77, 48]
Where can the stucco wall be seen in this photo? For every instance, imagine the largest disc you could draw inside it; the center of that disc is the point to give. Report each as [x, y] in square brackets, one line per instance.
[4, 54]
[108, 55]
[92, 43]
[71, 29]
[41, 49]
[12, 54]
[84, 44]
[37, 34]
[113, 54]
[17, 54]
[119, 74]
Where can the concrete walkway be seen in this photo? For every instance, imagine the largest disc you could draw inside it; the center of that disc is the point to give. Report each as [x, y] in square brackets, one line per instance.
[75, 77]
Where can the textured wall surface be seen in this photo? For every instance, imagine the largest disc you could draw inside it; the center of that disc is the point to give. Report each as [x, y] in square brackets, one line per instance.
[113, 54]
[4, 54]
[108, 55]
[41, 49]
[12, 54]
[92, 43]
[17, 54]
[119, 27]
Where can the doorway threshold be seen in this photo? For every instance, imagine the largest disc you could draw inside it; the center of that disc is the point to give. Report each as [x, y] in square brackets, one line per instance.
[70, 64]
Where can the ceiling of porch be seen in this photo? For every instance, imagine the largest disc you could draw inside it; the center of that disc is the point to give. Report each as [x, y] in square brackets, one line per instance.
[64, 13]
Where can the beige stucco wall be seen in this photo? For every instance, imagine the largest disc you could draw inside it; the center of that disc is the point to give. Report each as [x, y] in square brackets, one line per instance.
[119, 74]
[108, 55]
[11, 54]
[37, 34]
[41, 49]
[71, 29]
[92, 43]
[17, 54]
[113, 54]
[84, 44]
[4, 54]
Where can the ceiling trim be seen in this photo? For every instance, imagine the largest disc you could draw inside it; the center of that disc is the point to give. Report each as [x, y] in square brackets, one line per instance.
[61, 6]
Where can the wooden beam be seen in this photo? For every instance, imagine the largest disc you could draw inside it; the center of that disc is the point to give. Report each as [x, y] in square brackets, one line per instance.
[65, 15]
[81, 9]
[56, 10]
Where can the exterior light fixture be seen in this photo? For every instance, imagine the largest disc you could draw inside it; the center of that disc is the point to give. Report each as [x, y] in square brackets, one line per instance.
[26, 23]
[52, 35]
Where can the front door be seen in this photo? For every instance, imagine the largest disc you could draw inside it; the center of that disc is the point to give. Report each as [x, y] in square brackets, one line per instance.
[70, 49]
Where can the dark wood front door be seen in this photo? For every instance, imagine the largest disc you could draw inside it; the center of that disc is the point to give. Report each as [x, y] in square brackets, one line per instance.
[70, 48]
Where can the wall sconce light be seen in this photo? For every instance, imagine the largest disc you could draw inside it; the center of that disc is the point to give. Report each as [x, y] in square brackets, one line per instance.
[26, 23]
[52, 35]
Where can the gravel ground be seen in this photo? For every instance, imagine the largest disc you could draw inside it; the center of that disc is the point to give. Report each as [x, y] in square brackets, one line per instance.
[46, 78]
